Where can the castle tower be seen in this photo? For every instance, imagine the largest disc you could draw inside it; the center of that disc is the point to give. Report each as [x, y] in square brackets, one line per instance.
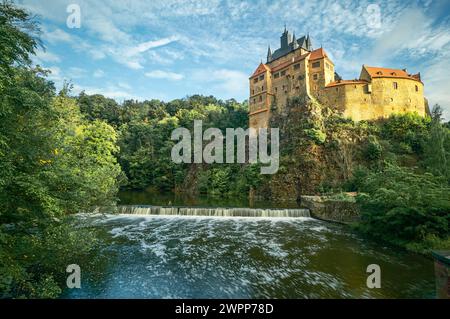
[269, 55]
[285, 39]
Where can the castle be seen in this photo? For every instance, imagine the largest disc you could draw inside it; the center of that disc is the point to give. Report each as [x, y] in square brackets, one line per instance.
[296, 69]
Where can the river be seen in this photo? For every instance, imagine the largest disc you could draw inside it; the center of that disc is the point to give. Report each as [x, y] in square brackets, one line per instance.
[232, 257]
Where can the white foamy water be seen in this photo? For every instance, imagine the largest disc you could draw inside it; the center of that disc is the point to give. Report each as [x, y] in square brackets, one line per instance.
[242, 257]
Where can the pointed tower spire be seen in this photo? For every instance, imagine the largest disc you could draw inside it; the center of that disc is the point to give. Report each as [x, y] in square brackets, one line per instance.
[308, 43]
[269, 55]
[294, 42]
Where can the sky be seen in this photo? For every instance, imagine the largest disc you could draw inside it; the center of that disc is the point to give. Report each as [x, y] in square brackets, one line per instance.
[152, 49]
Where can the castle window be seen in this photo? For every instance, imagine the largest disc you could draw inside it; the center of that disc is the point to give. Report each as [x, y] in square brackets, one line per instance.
[260, 98]
[283, 73]
[276, 90]
[417, 88]
[395, 85]
[276, 75]
[255, 80]
[253, 92]
[337, 89]
[316, 64]
[315, 77]
[254, 101]
[261, 77]
[297, 66]
[262, 88]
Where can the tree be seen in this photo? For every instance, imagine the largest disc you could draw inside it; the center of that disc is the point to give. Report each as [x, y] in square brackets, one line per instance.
[436, 154]
[19, 38]
[53, 163]
[405, 208]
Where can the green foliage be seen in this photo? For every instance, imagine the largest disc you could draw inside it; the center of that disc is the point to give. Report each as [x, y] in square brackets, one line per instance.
[409, 131]
[373, 149]
[18, 38]
[405, 208]
[437, 148]
[53, 162]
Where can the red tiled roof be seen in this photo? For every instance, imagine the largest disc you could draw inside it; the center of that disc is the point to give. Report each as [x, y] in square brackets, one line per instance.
[346, 82]
[377, 72]
[260, 69]
[318, 54]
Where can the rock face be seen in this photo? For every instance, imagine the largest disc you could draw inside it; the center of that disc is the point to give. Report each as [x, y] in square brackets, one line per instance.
[329, 209]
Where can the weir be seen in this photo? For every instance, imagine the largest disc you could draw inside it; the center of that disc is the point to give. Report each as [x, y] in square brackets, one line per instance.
[211, 211]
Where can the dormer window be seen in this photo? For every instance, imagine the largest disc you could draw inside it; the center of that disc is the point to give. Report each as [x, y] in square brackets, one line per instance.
[393, 73]
[379, 73]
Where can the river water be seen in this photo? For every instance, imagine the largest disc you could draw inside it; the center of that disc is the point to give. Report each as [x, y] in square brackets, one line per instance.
[230, 257]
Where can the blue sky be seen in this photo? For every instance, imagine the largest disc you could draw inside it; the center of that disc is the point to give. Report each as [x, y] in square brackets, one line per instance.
[169, 49]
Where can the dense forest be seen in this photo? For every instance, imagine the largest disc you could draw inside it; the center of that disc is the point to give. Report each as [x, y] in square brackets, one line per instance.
[62, 154]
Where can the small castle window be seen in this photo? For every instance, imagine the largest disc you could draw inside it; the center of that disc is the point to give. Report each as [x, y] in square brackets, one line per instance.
[262, 88]
[260, 98]
[417, 88]
[261, 77]
[276, 75]
[315, 77]
[254, 100]
[395, 85]
[297, 66]
[283, 73]
[276, 90]
[255, 80]
[316, 64]
[253, 92]
[337, 89]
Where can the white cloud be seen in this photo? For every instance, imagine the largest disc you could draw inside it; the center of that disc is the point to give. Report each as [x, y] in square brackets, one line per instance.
[145, 46]
[46, 56]
[76, 73]
[57, 35]
[159, 74]
[226, 82]
[98, 73]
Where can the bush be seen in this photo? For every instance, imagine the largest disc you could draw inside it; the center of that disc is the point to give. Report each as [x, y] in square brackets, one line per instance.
[405, 208]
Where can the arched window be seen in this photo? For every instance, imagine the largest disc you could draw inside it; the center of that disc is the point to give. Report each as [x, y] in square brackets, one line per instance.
[417, 88]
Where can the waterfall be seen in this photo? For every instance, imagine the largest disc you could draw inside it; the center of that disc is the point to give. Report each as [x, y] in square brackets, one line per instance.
[214, 212]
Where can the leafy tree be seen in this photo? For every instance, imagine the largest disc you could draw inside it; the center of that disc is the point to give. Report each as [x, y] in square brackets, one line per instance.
[53, 162]
[437, 149]
[408, 209]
